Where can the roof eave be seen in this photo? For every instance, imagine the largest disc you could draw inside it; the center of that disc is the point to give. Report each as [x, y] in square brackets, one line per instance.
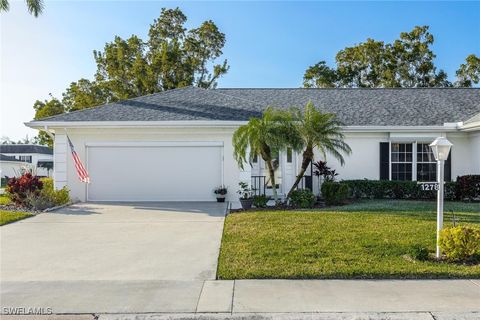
[45, 125]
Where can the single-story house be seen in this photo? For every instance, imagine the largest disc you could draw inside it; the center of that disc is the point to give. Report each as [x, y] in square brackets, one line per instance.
[37, 157]
[177, 144]
[9, 167]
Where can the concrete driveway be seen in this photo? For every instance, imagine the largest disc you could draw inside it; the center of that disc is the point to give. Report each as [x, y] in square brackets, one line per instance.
[121, 241]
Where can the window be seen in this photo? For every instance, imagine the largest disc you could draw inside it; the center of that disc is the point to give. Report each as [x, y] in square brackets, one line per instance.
[401, 159]
[25, 158]
[255, 159]
[426, 164]
[289, 155]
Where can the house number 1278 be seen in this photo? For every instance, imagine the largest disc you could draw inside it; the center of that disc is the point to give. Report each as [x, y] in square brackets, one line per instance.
[429, 186]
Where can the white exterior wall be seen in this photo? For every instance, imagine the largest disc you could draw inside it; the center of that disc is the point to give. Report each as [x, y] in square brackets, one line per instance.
[475, 152]
[11, 168]
[362, 163]
[35, 158]
[65, 173]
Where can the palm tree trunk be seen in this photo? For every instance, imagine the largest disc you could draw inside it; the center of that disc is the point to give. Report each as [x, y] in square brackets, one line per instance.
[271, 173]
[307, 158]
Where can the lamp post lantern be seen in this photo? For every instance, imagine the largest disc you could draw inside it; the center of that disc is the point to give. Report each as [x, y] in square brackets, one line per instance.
[440, 148]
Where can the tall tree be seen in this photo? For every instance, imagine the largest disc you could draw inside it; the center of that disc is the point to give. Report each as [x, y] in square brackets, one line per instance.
[407, 62]
[263, 137]
[469, 72]
[47, 108]
[34, 7]
[85, 94]
[314, 130]
[172, 57]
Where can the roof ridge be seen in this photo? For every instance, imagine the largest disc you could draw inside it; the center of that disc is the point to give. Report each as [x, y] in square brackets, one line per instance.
[230, 96]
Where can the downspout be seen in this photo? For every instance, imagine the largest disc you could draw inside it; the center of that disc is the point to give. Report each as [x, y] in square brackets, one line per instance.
[51, 135]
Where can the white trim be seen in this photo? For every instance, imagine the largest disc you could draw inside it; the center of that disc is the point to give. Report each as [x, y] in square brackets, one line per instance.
[134, 124]
[155, 144]
[224, 124]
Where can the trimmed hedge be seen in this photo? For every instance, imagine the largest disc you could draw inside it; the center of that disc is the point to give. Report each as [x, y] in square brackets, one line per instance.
[468, 187]
[465, 188]
[302, 198]
[334, 192]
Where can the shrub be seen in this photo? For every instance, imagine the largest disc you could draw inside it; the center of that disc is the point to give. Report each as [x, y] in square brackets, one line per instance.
[19, 188]
[260, 201]
[418, 252]
[3, 182]
[386, 189]
[460, 243]
[37, 201]
[56, 197]
[334, 192]
[468, 187]
[303, 198]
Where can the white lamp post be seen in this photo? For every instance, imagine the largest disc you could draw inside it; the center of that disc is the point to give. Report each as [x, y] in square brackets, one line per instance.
[440, 148]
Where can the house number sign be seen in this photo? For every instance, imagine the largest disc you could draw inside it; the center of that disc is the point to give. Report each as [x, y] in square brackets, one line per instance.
[428, 186]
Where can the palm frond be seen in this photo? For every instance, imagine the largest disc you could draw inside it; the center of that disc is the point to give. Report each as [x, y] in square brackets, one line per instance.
[35, 7]
[4, 5]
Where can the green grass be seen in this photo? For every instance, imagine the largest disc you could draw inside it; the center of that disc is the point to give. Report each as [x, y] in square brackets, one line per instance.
[368, 239]
[12, 216]
[5, 200]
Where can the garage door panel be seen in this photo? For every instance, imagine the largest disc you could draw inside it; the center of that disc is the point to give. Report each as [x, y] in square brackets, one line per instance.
[166, 173]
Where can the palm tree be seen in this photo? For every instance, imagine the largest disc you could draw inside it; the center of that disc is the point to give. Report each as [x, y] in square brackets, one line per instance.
[316, 130]
[35, 7]
[263, 136]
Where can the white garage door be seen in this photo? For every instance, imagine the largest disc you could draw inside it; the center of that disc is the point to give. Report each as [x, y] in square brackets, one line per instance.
[156, 172]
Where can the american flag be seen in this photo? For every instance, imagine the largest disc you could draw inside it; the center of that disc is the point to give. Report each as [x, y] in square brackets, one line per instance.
[81, 171]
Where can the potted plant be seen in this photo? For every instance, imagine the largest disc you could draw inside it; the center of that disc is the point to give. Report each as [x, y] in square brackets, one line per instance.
[220, 193]
[246, 195]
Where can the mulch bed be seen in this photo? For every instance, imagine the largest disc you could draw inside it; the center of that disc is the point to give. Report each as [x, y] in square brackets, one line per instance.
[15, 208]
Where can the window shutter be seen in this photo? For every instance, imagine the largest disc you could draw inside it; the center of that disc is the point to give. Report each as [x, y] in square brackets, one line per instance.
[448, 168]
[384, 160]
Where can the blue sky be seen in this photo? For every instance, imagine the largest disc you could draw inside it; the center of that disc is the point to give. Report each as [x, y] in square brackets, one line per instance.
[269, 44]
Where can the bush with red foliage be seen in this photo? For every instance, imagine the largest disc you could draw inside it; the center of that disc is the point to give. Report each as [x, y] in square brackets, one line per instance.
[468, 187]
[19, 188]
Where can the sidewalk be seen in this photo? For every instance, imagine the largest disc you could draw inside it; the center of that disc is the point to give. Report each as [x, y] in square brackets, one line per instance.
[251, 299]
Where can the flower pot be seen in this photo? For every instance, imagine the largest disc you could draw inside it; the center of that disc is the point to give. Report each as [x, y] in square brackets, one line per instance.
[220, 198]
[246, 203]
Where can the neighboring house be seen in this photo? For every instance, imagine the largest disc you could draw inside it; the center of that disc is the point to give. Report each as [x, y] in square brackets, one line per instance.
[9, 167]
[40, 158]
[176, 145]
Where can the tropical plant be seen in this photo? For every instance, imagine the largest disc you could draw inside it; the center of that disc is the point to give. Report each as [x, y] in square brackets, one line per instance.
[313, 129]
[302, 198]
[221, 190]
[35, 7]
[263, 136]
[245, 191]
[260, 201]
[460, 243]
[19, 188]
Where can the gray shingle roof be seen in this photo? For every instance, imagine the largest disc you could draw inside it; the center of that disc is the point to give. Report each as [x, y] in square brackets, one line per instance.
[25, 148]
[356, 107]
[8, 158]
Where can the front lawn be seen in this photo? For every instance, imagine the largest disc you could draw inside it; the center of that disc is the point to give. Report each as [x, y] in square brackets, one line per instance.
[368, 239]
[11, 216]
[5, 200]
